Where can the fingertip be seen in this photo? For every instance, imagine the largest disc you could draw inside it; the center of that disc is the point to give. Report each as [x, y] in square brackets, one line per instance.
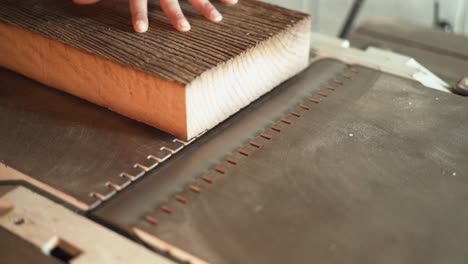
[183, 25]
[139, 12]
[215, 16]
[141, 26]
[230, 2]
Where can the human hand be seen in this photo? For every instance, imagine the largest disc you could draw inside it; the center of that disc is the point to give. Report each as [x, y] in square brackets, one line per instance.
[139, 11]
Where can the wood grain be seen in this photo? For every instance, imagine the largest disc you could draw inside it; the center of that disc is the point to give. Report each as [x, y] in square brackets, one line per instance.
[182, 83]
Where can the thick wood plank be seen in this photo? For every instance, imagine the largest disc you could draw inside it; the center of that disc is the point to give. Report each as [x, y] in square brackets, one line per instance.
[182, 83]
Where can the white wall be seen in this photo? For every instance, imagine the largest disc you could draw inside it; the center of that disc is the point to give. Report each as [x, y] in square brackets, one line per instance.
[328, 15]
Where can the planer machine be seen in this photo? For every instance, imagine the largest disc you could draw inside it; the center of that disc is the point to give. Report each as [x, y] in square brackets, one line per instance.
[361, 158]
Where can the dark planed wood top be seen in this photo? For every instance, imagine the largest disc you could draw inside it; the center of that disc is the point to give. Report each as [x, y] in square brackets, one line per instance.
[105, 30]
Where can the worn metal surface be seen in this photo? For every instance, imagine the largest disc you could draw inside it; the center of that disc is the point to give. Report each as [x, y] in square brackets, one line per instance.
[72, 145]
[375, 171]
[444, 54]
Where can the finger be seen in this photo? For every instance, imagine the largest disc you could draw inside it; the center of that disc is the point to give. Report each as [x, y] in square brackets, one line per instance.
[175, 15]
[85, 2]
[207, 9]
[139, 11]
[230, 2]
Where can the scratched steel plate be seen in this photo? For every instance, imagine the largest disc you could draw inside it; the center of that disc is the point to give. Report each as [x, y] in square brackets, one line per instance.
[370, 169]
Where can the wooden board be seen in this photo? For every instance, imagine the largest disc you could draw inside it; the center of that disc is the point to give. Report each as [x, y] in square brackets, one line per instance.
[182, 83]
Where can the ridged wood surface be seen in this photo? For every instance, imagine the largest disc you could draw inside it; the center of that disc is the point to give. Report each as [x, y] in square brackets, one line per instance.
[105, 30]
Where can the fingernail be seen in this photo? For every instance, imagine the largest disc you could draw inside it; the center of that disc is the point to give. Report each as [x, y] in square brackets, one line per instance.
[184, 25]
[216, 16]
[141, 26]
[233, 2]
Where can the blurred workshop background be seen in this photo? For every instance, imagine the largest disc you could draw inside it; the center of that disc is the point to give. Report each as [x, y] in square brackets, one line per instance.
[329, 15]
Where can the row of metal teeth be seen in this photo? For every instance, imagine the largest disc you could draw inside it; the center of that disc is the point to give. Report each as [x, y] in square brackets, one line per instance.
[140, 169]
